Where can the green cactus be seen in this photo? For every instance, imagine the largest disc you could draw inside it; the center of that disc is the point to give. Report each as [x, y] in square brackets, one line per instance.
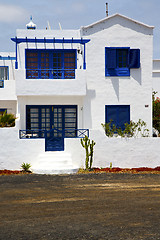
[86, 143]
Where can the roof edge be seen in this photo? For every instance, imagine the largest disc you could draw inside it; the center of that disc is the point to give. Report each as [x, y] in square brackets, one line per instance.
[115, 15]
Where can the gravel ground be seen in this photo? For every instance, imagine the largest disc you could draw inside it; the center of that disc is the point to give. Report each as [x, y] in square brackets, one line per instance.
[80, 207]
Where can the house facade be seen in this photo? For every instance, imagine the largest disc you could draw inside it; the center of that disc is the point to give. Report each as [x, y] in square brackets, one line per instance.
[68, 82]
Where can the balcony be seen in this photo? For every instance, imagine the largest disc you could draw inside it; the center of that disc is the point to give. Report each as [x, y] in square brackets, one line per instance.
[50, 73]
[51, 83]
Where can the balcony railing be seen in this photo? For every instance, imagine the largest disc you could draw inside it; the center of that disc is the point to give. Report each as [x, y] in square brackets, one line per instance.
[50, 73]
[66, 133]
[1, 83]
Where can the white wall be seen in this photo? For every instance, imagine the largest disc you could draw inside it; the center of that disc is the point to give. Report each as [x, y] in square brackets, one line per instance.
[125, 153]
[134, 90]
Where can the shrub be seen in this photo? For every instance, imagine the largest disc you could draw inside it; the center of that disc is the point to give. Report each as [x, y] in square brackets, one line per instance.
[156, 111]
[26, 167]
[132, 129]
[7, 120]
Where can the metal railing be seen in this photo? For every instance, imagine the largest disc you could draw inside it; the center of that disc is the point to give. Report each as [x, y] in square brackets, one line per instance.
[50, 73]
[66, 133]
[25, 134]
[1, 83]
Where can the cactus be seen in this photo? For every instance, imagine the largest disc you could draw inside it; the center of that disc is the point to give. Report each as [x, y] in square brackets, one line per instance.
[86, 143]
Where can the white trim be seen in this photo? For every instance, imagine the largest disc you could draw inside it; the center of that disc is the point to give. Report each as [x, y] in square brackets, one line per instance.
[117, 15]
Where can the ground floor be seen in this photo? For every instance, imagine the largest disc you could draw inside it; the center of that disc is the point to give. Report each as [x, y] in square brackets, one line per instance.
[121, 152]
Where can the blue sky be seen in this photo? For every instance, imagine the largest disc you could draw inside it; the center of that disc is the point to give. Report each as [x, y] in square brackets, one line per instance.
[72, 14]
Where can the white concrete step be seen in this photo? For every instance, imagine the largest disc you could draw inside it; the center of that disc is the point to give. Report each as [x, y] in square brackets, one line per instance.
[54, 163]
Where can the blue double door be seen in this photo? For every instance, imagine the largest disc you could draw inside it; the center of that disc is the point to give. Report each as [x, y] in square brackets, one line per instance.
[54, 122]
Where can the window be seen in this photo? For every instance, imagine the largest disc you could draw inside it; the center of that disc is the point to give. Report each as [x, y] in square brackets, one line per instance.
[3, 75]
[50, 64]
[2, 110]
[119, 61]
[119, 114]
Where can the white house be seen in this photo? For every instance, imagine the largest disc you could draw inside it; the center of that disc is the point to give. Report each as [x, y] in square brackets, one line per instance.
[68, 82]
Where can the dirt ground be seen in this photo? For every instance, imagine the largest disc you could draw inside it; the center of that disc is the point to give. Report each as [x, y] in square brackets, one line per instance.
[80, 207]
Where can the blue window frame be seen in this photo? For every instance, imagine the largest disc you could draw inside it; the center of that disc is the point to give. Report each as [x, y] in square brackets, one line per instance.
[45, 117]
[4, 75]
[2, 110]
[51, 63]
[119, 61]
[119, 114]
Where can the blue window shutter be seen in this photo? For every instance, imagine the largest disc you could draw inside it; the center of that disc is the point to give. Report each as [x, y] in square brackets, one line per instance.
[123, 116]
[111, 58]
[111, 114]
[134, 58]
[120, 114]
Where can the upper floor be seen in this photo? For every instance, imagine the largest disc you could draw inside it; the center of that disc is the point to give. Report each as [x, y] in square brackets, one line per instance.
[68, 62]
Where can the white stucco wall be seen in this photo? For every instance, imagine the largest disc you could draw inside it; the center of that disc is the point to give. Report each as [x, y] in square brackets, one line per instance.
[134, 90]
[125, 153]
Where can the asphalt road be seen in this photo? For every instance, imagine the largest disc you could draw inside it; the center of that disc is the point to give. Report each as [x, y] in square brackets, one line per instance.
[86, 206]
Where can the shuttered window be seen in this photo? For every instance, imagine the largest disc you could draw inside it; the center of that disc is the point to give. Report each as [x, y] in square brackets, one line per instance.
[119, 61]
[119, 114]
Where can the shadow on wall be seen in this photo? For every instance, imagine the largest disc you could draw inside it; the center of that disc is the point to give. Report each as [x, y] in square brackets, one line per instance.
[91, 94]
[136, 74]
[115, 83]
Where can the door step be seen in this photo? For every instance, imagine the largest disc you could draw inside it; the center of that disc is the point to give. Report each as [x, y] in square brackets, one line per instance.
[54, 163]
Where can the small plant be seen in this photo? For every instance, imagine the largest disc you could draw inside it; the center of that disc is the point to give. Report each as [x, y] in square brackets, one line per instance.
[110, 165]
[88, 145]
[7, 120]
[26, 167]
[132, 129]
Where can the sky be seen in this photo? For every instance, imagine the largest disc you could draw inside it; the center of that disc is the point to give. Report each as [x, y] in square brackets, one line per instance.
[72, 14]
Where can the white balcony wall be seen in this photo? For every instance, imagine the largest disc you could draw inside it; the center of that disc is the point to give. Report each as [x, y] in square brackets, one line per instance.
[8, 92]
[51, 87]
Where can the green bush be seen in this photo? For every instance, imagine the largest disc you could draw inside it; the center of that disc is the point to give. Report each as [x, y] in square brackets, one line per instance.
[156, 111]
[132, 129]
[26, 167]
[7, 120]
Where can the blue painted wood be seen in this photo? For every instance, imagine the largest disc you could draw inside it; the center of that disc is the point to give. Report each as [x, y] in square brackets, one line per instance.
[51, 63]
[49, 40]
[120, 114]
[54, 140]
[134, 58]
[7, 58]
[59, 121]
[117, 61]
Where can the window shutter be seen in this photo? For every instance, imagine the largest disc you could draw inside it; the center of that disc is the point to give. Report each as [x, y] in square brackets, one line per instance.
[111, 114]
[110, 58]
[123, 116]
[134, 58]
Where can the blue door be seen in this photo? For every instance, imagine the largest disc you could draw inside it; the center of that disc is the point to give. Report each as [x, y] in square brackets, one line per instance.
[54, 122]
[119, 114]
[54, 140]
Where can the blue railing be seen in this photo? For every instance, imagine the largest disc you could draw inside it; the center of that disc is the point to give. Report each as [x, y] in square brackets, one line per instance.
[23, 134]
[1, 83]
[50, 73]
[67, 133]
